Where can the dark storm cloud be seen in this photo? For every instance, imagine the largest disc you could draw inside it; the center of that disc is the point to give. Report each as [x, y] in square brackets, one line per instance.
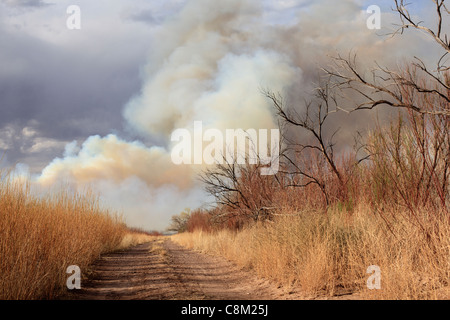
[63, 92]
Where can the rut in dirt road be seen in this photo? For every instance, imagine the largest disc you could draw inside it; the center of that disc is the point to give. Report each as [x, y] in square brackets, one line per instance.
[162, 269]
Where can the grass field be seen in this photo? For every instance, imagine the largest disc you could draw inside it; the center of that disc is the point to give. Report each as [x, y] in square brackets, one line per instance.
[328, 254]
[42, 235]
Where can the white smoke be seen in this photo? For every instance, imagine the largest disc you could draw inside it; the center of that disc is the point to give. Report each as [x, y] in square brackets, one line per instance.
[208, 67]
[209, 64]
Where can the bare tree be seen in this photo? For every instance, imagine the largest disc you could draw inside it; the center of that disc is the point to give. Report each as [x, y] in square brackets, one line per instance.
[421, 91]
[408, 22]
[240, 190]
[310, 162]
[384, 86]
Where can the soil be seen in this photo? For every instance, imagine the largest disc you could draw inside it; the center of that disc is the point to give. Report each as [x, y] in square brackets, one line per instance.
[164, 270]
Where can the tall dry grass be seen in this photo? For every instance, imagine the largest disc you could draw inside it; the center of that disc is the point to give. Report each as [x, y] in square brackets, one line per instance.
[390, 211]
[40, 236]
[329, 254]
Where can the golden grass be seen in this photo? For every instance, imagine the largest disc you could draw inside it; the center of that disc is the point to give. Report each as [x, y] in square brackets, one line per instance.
[42, 235]
[158, 247]
[328, 254]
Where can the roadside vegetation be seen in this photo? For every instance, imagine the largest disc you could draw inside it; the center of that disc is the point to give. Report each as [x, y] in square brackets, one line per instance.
[42, 235]
[329, 214]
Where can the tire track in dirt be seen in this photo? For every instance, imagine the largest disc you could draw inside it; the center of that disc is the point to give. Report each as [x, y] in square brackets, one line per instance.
[164, 270]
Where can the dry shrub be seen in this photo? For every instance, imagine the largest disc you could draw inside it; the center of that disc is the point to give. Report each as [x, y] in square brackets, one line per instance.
[199, 220]
[42, 235]
[393, 213]
[329, 254]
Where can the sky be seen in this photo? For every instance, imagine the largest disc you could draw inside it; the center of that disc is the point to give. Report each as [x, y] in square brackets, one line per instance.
[96, 106]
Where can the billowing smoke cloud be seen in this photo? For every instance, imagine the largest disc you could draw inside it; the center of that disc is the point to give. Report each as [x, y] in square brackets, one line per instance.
[211, 69]
[209, 64]
[115, 160]
[206, 68]
[140, 182]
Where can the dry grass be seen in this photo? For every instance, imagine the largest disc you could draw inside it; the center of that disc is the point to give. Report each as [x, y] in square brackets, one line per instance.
[42, 235]
[157, 247]
[329, 254]
[390, 210]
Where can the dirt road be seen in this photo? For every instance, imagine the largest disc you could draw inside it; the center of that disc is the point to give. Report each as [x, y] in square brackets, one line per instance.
[164, 270]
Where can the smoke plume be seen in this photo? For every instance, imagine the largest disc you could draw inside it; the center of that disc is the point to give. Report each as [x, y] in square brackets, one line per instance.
[209, 63]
